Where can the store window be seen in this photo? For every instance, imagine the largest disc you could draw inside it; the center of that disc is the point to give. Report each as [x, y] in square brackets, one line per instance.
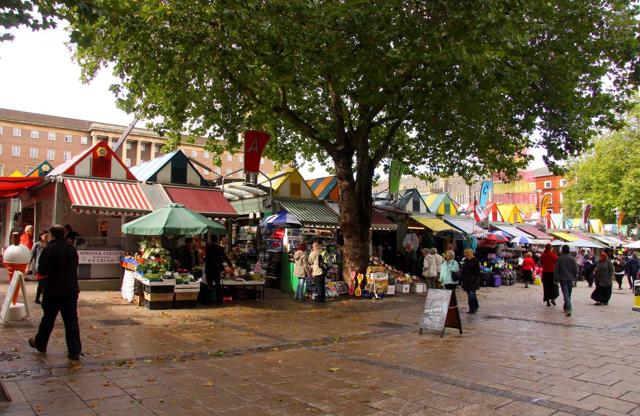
[84, 140]
[15, 151]
[33, 153]
[51, 154]
[547, 184]
[68, 139]
[51, 136]
[35, 134]
[17, 132]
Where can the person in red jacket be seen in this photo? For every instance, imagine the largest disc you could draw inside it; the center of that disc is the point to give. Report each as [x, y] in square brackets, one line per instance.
[527, 269]
[550, 288]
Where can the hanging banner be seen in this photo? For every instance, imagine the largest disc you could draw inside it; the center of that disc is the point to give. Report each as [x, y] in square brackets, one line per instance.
[254, 142]
[620, 219]
[485, 190]
[395, 173]
[544, 204]
[585, 216]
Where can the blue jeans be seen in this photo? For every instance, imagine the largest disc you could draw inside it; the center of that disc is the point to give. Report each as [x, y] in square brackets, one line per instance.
[473, 301]
[566, 286]
[300, 290]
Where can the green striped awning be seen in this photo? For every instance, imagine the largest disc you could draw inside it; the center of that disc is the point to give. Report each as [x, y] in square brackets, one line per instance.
[312, 213]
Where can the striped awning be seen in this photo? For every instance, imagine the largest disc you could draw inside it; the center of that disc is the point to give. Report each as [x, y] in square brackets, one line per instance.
[564, 236]
[106, 197]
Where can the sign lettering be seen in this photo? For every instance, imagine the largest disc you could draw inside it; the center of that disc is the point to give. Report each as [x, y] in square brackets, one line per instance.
[100, 256]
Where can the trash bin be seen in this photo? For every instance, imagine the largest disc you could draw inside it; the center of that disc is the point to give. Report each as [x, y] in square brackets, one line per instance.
[636, 295]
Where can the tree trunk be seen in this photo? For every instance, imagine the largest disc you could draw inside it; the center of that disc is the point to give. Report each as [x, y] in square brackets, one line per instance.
[355, 213]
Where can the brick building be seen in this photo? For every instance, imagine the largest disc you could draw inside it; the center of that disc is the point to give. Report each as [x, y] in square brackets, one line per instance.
[26, 139]
[546, 182]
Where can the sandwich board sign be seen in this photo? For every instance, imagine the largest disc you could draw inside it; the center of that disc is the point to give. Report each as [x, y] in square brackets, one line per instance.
[440, 311]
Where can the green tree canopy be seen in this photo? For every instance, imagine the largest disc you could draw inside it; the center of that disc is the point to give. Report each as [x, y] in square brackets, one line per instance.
[609, 177]
[444, 86]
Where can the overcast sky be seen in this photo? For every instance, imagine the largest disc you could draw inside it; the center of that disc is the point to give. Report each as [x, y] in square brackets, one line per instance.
[37, 74]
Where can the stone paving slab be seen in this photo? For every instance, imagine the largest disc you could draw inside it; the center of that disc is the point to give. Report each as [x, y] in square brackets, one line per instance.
[348, 357]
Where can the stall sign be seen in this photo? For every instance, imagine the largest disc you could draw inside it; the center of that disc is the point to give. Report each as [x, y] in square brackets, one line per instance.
[254, 142]
[99, 256]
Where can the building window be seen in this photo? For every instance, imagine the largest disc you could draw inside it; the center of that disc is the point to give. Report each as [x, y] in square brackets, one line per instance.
[66, 156]
[35, 134]
[143, 147]
[205, 171]
[129, 146]
[17, 132]
[15, 151]
[206, 155]
[158, 148]
[240, 158]
[51, 136]
[547, 184]
[51, 154]
[217, 170]
[1, 130]
[194, 153]
[68, 139]
[84, 140]
[228, 171]
[128, 162]
[0, 150]
[229, 157]
[262, 161]
[563, 182]
[33, 153]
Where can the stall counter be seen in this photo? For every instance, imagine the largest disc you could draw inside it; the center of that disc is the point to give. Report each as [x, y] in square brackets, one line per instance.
[99, 263]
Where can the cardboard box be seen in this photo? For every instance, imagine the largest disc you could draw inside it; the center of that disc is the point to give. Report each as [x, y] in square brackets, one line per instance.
[403, 288]
[418, 287]
[391, 290]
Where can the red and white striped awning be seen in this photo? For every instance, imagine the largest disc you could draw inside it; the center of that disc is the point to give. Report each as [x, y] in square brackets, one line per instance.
[106, 197]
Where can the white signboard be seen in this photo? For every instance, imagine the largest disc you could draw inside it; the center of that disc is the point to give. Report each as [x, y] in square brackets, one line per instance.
[100, 256]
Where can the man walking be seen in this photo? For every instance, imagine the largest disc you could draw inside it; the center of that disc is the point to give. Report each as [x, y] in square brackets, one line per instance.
[58, 266]
[566, 272]
[215, 258]
[317, 270]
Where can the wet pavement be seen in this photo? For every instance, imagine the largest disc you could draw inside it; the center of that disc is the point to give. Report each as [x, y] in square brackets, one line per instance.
[348, 357]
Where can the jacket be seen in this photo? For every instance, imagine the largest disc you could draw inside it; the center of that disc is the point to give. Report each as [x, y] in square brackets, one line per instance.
[566, 269]
[36, 251]
[301, 264]
[214, 257]
[58, 265]
[632, 266]
[447, 270]
[603, 273]
[470, 274]
[314, 262]
[439, 261]
[429, 267]
[27, 241]
[548, 261]
[188, 259]
[619, 266]
[528, 264]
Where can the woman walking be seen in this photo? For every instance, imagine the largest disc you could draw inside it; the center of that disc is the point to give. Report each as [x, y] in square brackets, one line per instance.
[550, 287]
[527, 269]
[603, 278]
[618, 267]
[449, 270]
[471, 278]
[37, 249]
[301, 270]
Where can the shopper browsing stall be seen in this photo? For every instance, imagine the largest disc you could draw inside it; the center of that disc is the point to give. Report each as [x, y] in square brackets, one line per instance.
[449, 270]
[38, 247]
[548, 263]
[301, 270]
[527, 269]
[471, 278]
[317, 270]
[187, 255]
[214, 266]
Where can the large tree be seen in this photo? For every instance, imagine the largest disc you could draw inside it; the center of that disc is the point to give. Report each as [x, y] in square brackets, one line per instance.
[609, 177]
[444, 86]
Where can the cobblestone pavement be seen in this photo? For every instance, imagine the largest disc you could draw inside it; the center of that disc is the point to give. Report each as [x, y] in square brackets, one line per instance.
[348, 357]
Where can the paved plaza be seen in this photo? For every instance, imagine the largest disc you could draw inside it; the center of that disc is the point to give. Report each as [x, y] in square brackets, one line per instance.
[348, 357]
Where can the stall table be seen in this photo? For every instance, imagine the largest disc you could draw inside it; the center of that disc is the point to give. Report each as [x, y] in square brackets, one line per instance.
[257, 285]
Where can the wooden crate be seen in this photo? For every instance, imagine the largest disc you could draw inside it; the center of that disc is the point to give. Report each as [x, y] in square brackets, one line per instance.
[158, 300]
[185, 299]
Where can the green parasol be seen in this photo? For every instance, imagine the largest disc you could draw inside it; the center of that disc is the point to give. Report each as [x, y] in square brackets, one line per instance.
[174, 219]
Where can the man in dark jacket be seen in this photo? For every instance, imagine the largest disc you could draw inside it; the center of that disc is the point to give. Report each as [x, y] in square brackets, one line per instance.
[631, 269]
[187, 255]
[58, 266]
[566, 272]
[214, 259]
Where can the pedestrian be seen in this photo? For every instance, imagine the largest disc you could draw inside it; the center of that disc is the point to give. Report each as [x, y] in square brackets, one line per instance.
[619, 267]
[429, 267]
[388, 255]
[70, 235]
[26, 239]
[527, 269]
[603, 277]
[580, 263]
[36, 251]
[471, 278]
[214, 260]
[589, 265]
[316, 262]
[439, 261]
[631, 269]
[58, 266]
[565, 273]
[187, 256]
[549, 286]
[301, 270]
[449, 271]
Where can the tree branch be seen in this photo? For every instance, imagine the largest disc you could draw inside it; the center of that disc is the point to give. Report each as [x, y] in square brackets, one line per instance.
[386, 142]
[337, 109]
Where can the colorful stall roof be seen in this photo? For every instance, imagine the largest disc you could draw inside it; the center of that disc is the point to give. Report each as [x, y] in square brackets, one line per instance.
[173, 168]
[535, 232]
[432, 223]
[564, 236]
[206, 201]
[106, 197]
[381, 223]
[315, 214]
[289, 184]
[510, 213]
[441, 204]
[466, 225]
[596, 226]
[511, 230]
[98, 161]
[42, 169]
[16, 174]
[11, 186]
[412, 201]
[325, 188]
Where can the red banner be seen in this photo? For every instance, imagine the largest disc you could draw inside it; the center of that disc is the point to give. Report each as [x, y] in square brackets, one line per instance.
[254, 142]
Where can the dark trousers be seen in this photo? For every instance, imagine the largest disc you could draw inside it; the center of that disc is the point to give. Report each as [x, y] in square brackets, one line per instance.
[68, 308]
[39, 291]
[318, 282]
[619, 277]
[473, 300]
[214, 278]
[550, 288]
[631, 280]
